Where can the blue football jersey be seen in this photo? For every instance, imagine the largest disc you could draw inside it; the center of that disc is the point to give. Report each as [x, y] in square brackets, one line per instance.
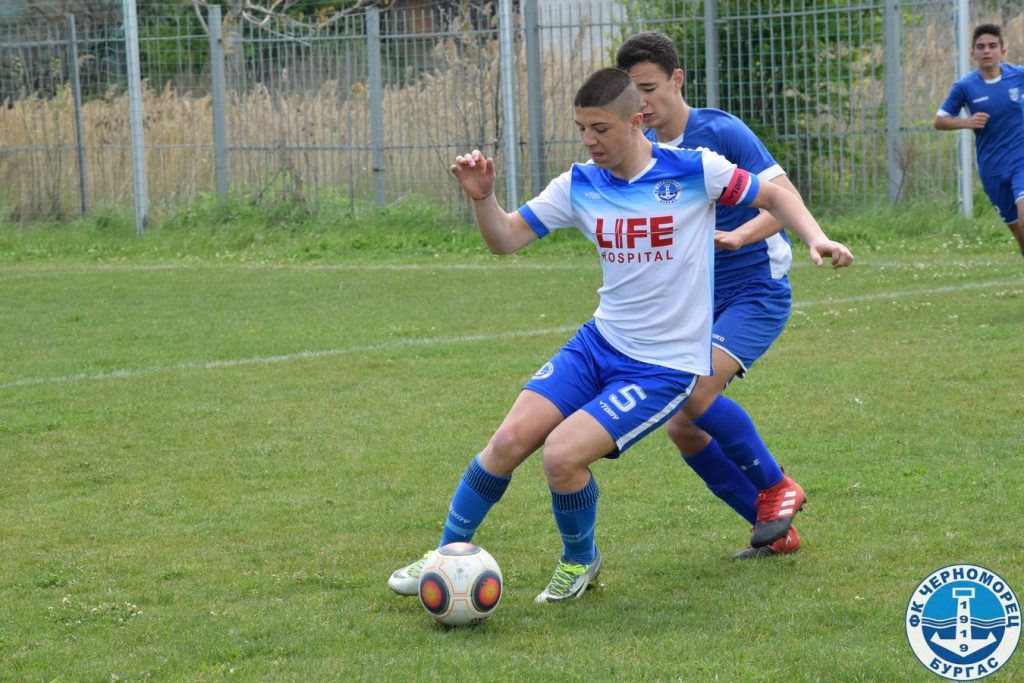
[725, 134]
[1000, 144]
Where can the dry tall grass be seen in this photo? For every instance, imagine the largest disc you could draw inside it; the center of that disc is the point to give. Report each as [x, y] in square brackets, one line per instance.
[317, 142]
[299, 145]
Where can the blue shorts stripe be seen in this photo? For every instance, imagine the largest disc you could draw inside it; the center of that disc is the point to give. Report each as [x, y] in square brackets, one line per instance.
[654, 421]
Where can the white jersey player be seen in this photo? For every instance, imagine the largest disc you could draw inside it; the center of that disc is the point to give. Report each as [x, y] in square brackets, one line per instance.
[649, 210]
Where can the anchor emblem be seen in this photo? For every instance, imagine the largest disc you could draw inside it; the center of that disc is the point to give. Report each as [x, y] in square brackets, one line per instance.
[963, 643]
[963, 622]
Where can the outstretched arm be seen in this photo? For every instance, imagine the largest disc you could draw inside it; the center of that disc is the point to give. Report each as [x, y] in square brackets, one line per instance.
[503, 232]
[974, 122]
[789, 210]
[756, 229]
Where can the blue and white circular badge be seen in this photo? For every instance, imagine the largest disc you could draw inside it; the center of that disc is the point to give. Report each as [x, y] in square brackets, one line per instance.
[667, 191]
[963, 622]
[545, 371]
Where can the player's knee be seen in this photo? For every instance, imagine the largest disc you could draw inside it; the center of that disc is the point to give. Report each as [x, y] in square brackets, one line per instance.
[686, 436]
[560, 467]
[697, 404]
[508, 447]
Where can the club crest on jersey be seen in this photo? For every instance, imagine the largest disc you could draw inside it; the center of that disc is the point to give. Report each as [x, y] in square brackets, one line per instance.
[546, 371]
[667, 191]
[963, 622]
[1014, 94]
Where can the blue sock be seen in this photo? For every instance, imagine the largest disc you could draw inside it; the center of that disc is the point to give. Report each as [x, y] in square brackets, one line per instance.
[576, 517]
[725, 480]
[474, 496]
[732, 428]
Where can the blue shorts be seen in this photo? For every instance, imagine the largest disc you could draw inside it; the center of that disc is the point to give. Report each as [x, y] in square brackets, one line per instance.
[1004, 190]
[628, 397]
[749, 317]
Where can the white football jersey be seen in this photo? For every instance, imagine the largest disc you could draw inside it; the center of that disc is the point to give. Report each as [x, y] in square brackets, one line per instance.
[655, 236]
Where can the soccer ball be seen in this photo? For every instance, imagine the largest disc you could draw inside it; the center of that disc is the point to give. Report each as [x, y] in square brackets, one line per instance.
[460, 584]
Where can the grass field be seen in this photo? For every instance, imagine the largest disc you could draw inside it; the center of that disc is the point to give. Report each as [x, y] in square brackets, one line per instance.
[212, 462]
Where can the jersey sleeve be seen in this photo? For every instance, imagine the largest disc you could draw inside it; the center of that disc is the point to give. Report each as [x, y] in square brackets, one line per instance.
[954, 101]
[740, 145]
[552, 208]
[726, 183]
[1017, 69]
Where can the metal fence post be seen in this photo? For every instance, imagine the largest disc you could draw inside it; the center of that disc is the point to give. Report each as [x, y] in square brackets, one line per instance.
[534, 95]
[506, 50]
[376, 86]
[826, 116]
[131, 39]
[217, 94]
[711, 54]
[76, 100]
[966, 141]
[893, 99]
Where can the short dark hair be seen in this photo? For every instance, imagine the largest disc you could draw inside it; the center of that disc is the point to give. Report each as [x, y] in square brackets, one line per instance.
[650, 46]
[607, 86]
[989, 29]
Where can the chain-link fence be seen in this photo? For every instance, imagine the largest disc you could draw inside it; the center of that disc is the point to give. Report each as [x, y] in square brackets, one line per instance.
[372, 105]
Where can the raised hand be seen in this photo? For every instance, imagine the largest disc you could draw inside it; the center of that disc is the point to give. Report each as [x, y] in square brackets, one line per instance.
[475, 174]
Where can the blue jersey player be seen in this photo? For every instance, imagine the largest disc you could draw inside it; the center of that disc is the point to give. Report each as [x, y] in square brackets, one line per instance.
[993, 94]
[649, 211]
[752, 295]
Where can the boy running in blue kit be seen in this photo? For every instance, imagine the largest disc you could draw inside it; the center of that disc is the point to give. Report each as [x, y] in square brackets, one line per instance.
[994, 95]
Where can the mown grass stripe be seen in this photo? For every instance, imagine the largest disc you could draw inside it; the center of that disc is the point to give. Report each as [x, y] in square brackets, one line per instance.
[460, 339]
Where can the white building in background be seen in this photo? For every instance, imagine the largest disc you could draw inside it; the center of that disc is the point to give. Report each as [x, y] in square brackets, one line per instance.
[564, 20]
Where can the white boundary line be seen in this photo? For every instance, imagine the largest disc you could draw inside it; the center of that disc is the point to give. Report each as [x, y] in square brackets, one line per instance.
[284, 358]
[878, 296]
[441, 341]
[29, 268]
[79, 269]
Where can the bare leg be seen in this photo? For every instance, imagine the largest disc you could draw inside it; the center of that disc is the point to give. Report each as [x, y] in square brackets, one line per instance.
[688, 437]
[1017, 227]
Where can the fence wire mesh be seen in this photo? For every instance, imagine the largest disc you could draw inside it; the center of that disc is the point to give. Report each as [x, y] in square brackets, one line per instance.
[330, 106]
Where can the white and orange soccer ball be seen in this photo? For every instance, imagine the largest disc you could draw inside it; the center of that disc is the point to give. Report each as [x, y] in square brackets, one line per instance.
[460, 584]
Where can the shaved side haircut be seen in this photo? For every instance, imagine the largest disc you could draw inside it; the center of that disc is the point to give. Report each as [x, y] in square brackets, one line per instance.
[610, 89]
